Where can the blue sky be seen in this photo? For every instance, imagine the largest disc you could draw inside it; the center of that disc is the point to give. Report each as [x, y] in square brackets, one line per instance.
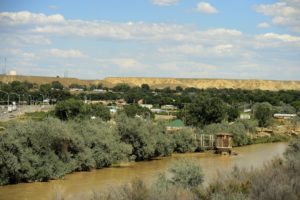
[153, 38]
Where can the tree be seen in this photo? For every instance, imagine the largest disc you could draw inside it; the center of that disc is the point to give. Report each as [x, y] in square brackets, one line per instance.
[232, 113]
[143, 136]
[134, 110]
[145, 87]
[205, 111]
[121, 87]
[96, 110]
[45, 89]
[179, 89]
[263, 113]
[77, 86]
[68, 109]
[57, 85]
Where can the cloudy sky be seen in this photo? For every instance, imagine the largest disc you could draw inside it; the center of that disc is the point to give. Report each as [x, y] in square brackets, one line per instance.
[92, 39]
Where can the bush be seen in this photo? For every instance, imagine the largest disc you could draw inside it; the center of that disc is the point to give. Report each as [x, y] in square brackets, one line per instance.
[72, 108]
[263, 113]
[185, 141]
[50, 148]
[186, 173]
[144, 137]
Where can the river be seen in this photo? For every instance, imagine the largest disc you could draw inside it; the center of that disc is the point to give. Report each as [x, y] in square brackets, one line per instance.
[80, 182]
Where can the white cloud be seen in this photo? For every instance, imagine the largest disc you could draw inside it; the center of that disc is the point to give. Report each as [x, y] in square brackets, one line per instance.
[221, 50]
[71, 53]
[281, 37]
[263, 25]
[25, 17]
[165, 2]
[206, 8]
[41, 24]
[276, 40]
[284, 13]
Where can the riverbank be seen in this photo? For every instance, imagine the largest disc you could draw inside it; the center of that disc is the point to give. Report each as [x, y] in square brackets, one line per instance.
[49, 149]
[101, 180]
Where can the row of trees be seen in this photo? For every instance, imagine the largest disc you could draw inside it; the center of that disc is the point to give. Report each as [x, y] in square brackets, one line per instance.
[178, 96]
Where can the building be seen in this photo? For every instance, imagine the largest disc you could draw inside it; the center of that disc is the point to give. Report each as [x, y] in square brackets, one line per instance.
[223, 142]
[282, 116]
[149, 106]
[168, 107]
[99, 91]
[175, 125]
[156, 110]
[245, 116]
[12, 73]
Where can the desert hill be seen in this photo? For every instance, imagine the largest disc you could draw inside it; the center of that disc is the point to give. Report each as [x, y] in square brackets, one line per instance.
[165, 82]
[205, 83]
[42, 80]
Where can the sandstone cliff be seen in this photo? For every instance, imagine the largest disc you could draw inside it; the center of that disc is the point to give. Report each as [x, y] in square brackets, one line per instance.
[165, 82]
[205, 83]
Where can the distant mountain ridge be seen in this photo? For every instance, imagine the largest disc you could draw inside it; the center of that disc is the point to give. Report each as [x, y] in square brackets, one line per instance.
[165, 82]
[205, 83]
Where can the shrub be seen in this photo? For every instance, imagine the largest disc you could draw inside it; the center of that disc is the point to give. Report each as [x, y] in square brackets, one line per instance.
[144, 137]
[185, 141]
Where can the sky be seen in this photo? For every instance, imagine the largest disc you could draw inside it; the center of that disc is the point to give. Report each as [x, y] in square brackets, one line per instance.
[93, 39]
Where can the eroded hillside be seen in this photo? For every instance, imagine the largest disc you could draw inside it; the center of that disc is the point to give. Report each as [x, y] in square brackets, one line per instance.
[205, 83]
[165, 82]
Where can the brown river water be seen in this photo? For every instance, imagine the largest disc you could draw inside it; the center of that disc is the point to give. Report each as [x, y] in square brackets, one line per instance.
[83, 182]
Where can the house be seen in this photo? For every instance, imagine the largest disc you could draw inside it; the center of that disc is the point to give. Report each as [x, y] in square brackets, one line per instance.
[99, 91]
[76, 89]
[168, 107]
[156, 110]
[149, 106]
[120, 102]
[175, 125]
[245, 116]
[282, 116]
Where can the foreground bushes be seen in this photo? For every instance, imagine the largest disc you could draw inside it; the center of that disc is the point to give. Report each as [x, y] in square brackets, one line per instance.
[49, 149]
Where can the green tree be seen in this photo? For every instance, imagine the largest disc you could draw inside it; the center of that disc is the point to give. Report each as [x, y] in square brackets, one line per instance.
[145, 87]
[57, 85]
[97, 110]
[121, 87]
[263, 113]
[232, 113]
[204, 111]
[185, 141]
[68, 109]
[135, 109]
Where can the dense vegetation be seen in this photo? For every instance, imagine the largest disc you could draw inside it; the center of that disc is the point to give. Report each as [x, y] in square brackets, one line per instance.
[278, 179]
[178, 96]
[47, 149]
